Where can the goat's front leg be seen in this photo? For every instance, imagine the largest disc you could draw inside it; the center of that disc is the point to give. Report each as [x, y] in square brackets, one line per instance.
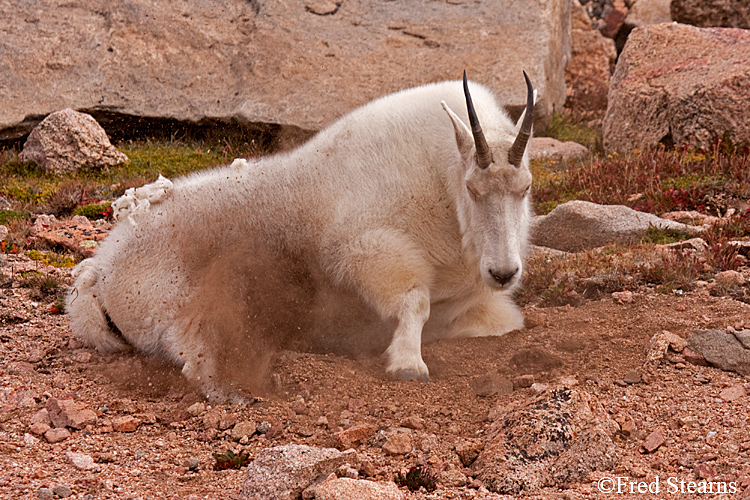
[404, 354]
[391, 274]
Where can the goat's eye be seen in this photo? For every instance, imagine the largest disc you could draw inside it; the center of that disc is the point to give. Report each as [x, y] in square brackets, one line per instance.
[472, 192]
[526, 192]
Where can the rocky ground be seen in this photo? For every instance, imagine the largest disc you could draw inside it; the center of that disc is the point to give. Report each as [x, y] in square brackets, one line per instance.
[134, 429]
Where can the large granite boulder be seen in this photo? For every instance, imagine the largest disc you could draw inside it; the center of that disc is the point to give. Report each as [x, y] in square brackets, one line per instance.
[68, 141]
[712, 13]
[681, 85]
[287, 67]
[581, 225]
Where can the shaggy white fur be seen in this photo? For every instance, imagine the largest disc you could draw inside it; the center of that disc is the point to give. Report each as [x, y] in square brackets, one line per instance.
[385, 210]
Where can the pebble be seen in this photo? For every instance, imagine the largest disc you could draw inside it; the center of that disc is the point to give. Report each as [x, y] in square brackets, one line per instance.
[653, 441]
[632, 377]
[127, 423]
[62, 491]
[80, 461]
[39, 428]
[245, 429]
[732, 393]
[191, 463]
[263, 427]
[398, 443]
[56, 435]
[413, 422]
[45, 494]
[523, 381]
[353, 436]
[196, 409]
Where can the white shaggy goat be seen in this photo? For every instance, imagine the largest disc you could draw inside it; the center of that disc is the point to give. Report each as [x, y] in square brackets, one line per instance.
[398, 210]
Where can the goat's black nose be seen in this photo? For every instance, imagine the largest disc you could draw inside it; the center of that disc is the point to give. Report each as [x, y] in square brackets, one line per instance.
[503, 277]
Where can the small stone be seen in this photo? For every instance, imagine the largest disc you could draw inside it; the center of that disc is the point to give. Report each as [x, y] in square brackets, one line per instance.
[246, 428]
[523, 381]
[127, 423]
[732, 393]
[398, 443]
[39, 428]
[263, 427]
[69, 413]
[191, 463]
[704, 471]
[632, 377]
[211, 420]
[80, 461]
[62, 491]
[490, 385]
[693, 357]
[452, 478]
[45, 494]
[196, 409]
[627, 428]
[413, 422]
[228, 420]
[57, 435]
[538, 388]
[353, 436]
[468, 451]
[654, 441]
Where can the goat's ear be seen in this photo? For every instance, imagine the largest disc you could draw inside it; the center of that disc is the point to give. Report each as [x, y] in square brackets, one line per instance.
[520, 120]
[464, 139]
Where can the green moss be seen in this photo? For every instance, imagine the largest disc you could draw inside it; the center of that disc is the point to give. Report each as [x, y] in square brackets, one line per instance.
[93, 211]
[6, 216]
[562, 129]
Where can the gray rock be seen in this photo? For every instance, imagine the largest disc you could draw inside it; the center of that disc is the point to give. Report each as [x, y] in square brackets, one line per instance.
[645, 12]
[580, 225]
[283, 472]
[707, 13]
[335, 488]
[62, 491]
[67, 141]
[45, 494]
[679, 84]
[547, 148]
[282, 67]
[80, 461]
[561, 436]
[744, 337]
[721, 349]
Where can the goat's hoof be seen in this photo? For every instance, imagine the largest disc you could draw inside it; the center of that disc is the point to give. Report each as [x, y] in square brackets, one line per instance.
[410, 374]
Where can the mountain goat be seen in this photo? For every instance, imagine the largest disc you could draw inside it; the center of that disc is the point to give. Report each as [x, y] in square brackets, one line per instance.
[399, 209]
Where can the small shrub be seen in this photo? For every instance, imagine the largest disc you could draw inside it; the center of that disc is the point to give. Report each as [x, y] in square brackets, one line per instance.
[7, 216]
[229, 460]
[94, 211]
[417, 477]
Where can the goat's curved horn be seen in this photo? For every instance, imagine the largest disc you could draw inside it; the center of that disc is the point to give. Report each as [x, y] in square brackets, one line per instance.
[484, 155]
[515, 155]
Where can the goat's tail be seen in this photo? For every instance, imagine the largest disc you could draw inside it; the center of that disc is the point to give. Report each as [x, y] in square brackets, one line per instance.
[87, 317]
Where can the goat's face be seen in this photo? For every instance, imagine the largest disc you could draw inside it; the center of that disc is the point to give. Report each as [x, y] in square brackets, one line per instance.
[493, 202]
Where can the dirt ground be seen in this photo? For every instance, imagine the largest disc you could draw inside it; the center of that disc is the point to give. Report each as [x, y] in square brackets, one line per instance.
[593, 346]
